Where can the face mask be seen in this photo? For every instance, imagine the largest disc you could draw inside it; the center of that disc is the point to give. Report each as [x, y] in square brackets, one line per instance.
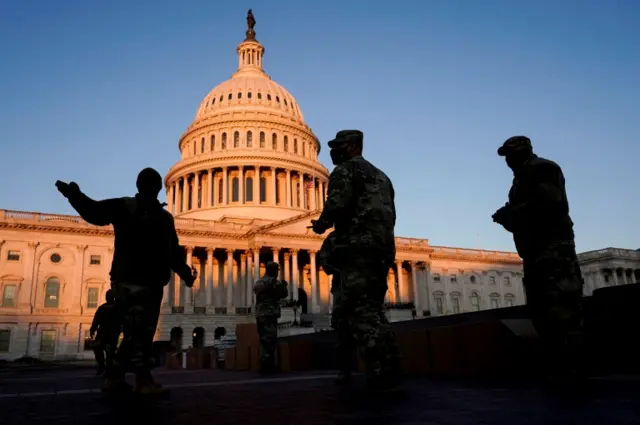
[338, 155]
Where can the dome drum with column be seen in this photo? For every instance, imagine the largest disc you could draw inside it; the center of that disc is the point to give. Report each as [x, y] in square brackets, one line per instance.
[248, 153]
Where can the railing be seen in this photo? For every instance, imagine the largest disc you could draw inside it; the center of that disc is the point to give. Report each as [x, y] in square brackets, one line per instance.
[443, 250]
[412, 243]
[610, 253]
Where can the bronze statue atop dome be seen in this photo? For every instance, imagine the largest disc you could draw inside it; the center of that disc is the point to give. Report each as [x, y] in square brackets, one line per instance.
[251, 23]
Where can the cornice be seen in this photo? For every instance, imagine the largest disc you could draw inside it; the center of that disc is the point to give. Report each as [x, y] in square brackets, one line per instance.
[195, 164]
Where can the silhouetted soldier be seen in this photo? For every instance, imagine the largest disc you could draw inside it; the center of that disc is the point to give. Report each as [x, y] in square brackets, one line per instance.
[538, 216]
[146, 251]
[269, 291]
[106, 329]
[360, 206]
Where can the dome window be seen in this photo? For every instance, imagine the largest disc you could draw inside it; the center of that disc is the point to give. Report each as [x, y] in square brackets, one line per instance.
[230, 96]
[213, 101]
[285, 102]
[278, 99]
[259, 95]
[239, 95]
[268, 96]
[236, 139]
[221, 98]
[249, 95]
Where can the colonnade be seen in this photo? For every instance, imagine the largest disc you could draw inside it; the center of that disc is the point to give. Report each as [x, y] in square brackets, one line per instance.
[609, 276]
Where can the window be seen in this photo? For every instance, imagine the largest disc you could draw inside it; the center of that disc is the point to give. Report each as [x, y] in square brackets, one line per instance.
[202, 145]
[455, 303]
[285, 101]
[224, 140]
[492, 280]
[92, 298]
[506, 281]
[239, 95]
[268, 96]
[494, 303]
[439, 305]
[55, 258]
[236, 139]
[508, 300]
[95, 260]
[295, 145]
[277, 194]
[230, 96]
[13, 255]
[304, 148]
[5, 340]
[453, 278]
[286, 144]
[88, 346]
[259, 95]
[213, 101]
[248, 189]
[249, 139]
[48, 341]
[52, 293]
[213, 143]
[274, 142]
[472, 279]
[220, 190]
[249, 95]
[194, 148]
[263, 189]
[475, 302]
[9, 296]
[278, 99]
[262, 139]
[436, 278]
[235, 190]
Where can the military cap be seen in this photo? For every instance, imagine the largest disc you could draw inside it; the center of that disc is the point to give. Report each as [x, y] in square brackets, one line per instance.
[346, 136]
[513, 144]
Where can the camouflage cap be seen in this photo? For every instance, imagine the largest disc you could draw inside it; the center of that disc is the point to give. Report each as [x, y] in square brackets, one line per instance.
[346, 136]
[514, 144]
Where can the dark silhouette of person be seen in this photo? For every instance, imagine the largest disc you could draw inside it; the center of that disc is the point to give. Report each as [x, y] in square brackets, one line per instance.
[537, 215]
[269, 291]
[105, 329]
[146, 251]
[303, 301]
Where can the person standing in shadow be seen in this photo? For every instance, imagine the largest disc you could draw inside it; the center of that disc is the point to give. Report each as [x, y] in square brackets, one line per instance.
[105, 331]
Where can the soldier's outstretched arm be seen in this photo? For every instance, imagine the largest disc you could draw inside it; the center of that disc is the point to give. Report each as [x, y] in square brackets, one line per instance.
[96, 321]
[99, 213]
[339, 194]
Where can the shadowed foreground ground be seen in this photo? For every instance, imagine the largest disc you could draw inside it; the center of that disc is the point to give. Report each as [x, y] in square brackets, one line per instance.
[216, 397]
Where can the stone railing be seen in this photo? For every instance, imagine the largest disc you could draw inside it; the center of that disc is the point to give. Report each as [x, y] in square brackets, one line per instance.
[628, 254]
[410, 243]
[463, 252]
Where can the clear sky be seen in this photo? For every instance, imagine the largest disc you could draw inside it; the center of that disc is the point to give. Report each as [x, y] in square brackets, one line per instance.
[95, 91]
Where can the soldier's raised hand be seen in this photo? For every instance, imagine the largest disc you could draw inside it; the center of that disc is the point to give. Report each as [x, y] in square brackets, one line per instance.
[194, 275]
[67, 189]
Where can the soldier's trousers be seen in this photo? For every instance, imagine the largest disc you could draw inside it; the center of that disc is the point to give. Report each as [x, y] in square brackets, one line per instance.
[359, 320]
[105, 349]
[138, 309]
[553, 287]
[268, 335]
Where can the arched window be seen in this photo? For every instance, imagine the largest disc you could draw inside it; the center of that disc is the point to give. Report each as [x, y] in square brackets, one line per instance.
[236, 139]
[438, 296]
[259, 95]
[249, 139]
[213, 143]
[263, 189]
[220, 190]
[224, 140]
[248, 189]
[295, 145]
[286, 144]
[202, 145]
[494, 299]
[235, 189]
[304, 149]
[455, 302]
[194, 147]
[475, 302]
[277, 194]
[52, 293]
[262, 139]
[274, 142]
[508, 300]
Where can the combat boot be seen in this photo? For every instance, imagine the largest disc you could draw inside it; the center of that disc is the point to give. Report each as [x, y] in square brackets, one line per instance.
[146, 386]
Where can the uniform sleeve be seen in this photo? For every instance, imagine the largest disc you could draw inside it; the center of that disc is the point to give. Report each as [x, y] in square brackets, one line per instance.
[99, 213]
[339, 194]
[258, 287]
[96, 320]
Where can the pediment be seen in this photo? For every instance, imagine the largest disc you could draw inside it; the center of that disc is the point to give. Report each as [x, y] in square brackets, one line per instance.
[94, 281]
[297, 225]
[11, 278]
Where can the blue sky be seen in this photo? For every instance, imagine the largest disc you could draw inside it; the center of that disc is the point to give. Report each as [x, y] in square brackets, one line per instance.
[95, 91]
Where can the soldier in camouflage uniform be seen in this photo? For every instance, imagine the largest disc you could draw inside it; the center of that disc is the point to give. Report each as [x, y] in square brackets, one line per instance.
[269, 291]
[538, 216]
[360, 207]
[146, 252]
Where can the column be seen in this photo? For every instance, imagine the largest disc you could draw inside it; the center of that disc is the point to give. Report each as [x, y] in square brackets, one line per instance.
[225, 187]
[321, 195]
[175, 285]
[615, 277]
[425, 289]
[314, 282]
[256, 265]
[633, 276]
[288, 188]
[400, 277]
[188, 291]
[625, 279]
[301, 191]
[241, 184]
[256, 186]
[600, 281]
[229, 280]
[273, 186]
[287, 272]
[210, 188]
[196, 191]
[295, 272]
[242, 279]
[185, 197]
[414, 284]
[313, 203]
[209, 278]
[170, 198]
[250, 278]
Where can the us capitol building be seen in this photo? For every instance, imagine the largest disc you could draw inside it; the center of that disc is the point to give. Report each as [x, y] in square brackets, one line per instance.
[243, 192]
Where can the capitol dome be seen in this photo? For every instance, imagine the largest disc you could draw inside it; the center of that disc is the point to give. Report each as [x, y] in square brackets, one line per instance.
[248, 153]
